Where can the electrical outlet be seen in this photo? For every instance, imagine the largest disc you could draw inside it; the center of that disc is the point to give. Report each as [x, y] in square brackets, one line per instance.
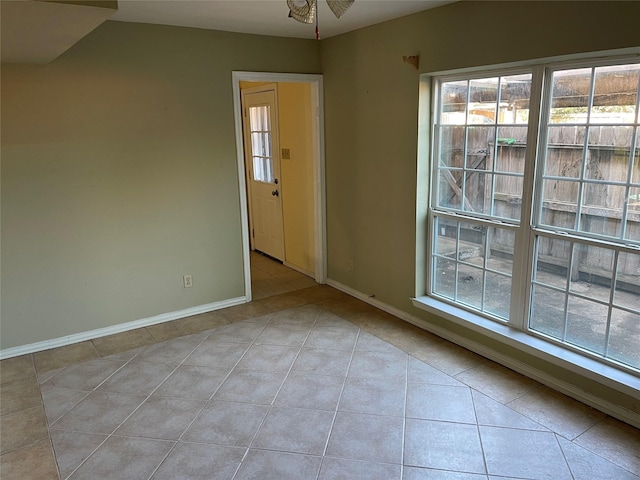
[350, 266]
[187, 281]
[286, 154]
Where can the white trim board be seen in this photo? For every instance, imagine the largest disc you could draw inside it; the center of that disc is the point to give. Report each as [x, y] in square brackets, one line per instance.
[119, 328]
[317, 98]
[562, 386]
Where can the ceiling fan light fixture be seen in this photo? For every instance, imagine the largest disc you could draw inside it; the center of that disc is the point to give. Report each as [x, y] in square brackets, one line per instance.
[303, 11]
[338, 7]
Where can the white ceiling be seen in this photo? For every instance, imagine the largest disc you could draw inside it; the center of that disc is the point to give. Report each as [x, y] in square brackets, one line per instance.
[38, 31]
[265, 17]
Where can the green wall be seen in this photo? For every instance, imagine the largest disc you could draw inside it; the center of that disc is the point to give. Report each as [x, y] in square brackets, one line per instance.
[371, 116]
[119, 175]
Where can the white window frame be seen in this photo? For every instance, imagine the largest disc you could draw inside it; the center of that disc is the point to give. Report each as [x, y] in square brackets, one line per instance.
[515, 332]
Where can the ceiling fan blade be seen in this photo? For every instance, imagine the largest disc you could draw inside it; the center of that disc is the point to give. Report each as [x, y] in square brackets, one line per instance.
[304, 11]
[338, 7]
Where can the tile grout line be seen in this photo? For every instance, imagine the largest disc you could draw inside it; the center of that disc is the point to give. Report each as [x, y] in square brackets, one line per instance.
[344, 384]
[596, 453]
[180, 438]
[110, 435]
[475, 415]
[404, 412]
[564, 456]
[277, 392]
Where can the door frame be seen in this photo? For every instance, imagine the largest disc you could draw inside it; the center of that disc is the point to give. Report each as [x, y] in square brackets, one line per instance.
[319, 193]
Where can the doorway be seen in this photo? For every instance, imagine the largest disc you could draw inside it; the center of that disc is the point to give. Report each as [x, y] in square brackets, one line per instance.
[316, 215]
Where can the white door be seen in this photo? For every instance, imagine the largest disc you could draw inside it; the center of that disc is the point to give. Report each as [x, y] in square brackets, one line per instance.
[262, 156]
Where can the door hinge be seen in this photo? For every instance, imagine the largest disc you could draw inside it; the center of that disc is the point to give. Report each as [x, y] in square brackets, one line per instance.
[253, 233]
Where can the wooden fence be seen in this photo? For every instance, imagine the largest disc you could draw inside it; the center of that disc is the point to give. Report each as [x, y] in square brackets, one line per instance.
[602, 204]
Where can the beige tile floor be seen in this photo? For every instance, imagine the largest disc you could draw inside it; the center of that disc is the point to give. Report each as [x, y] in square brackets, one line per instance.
[302, 383]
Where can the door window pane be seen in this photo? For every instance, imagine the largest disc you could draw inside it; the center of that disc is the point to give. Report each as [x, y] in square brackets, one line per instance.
[261, 152]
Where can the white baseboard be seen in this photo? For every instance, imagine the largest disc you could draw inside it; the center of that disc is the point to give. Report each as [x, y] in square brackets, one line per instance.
[119, 328]
[543, 377]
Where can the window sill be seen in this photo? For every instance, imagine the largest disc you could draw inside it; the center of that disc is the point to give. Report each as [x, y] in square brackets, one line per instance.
[610, 376]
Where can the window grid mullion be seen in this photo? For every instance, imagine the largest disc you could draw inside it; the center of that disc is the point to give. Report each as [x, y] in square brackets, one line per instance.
[457, 264]
[627, 192]
[614, 280]
[487, 252]
[585, 155]
[567, 290]
[494, 150]
[521, 285]
[465, 153]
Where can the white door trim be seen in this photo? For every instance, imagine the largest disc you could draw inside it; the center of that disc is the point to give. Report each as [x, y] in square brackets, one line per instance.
[320, 233]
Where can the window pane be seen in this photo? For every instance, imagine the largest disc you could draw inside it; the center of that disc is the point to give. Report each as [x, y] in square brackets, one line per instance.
[450, 189]
[570, 96]
[497, 298]
[587, 324]
[515, 92]
[559, 206]
[511, 151]
[453, 100]
[452, 146]
[444, 279]
[592, 271]
[627, 291]
[501, 247]
[601, 209]
[257, 144]
[507, 201]
[548, 312]
[552, 259]
[625, 337]
[470, 286]
[616, 90]
[259, 118]
[608, 156]
[632, 232]
[635, 169]
[480, 142]
[259, 123]
[565, 147]
[477, 192]
[483, 97]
